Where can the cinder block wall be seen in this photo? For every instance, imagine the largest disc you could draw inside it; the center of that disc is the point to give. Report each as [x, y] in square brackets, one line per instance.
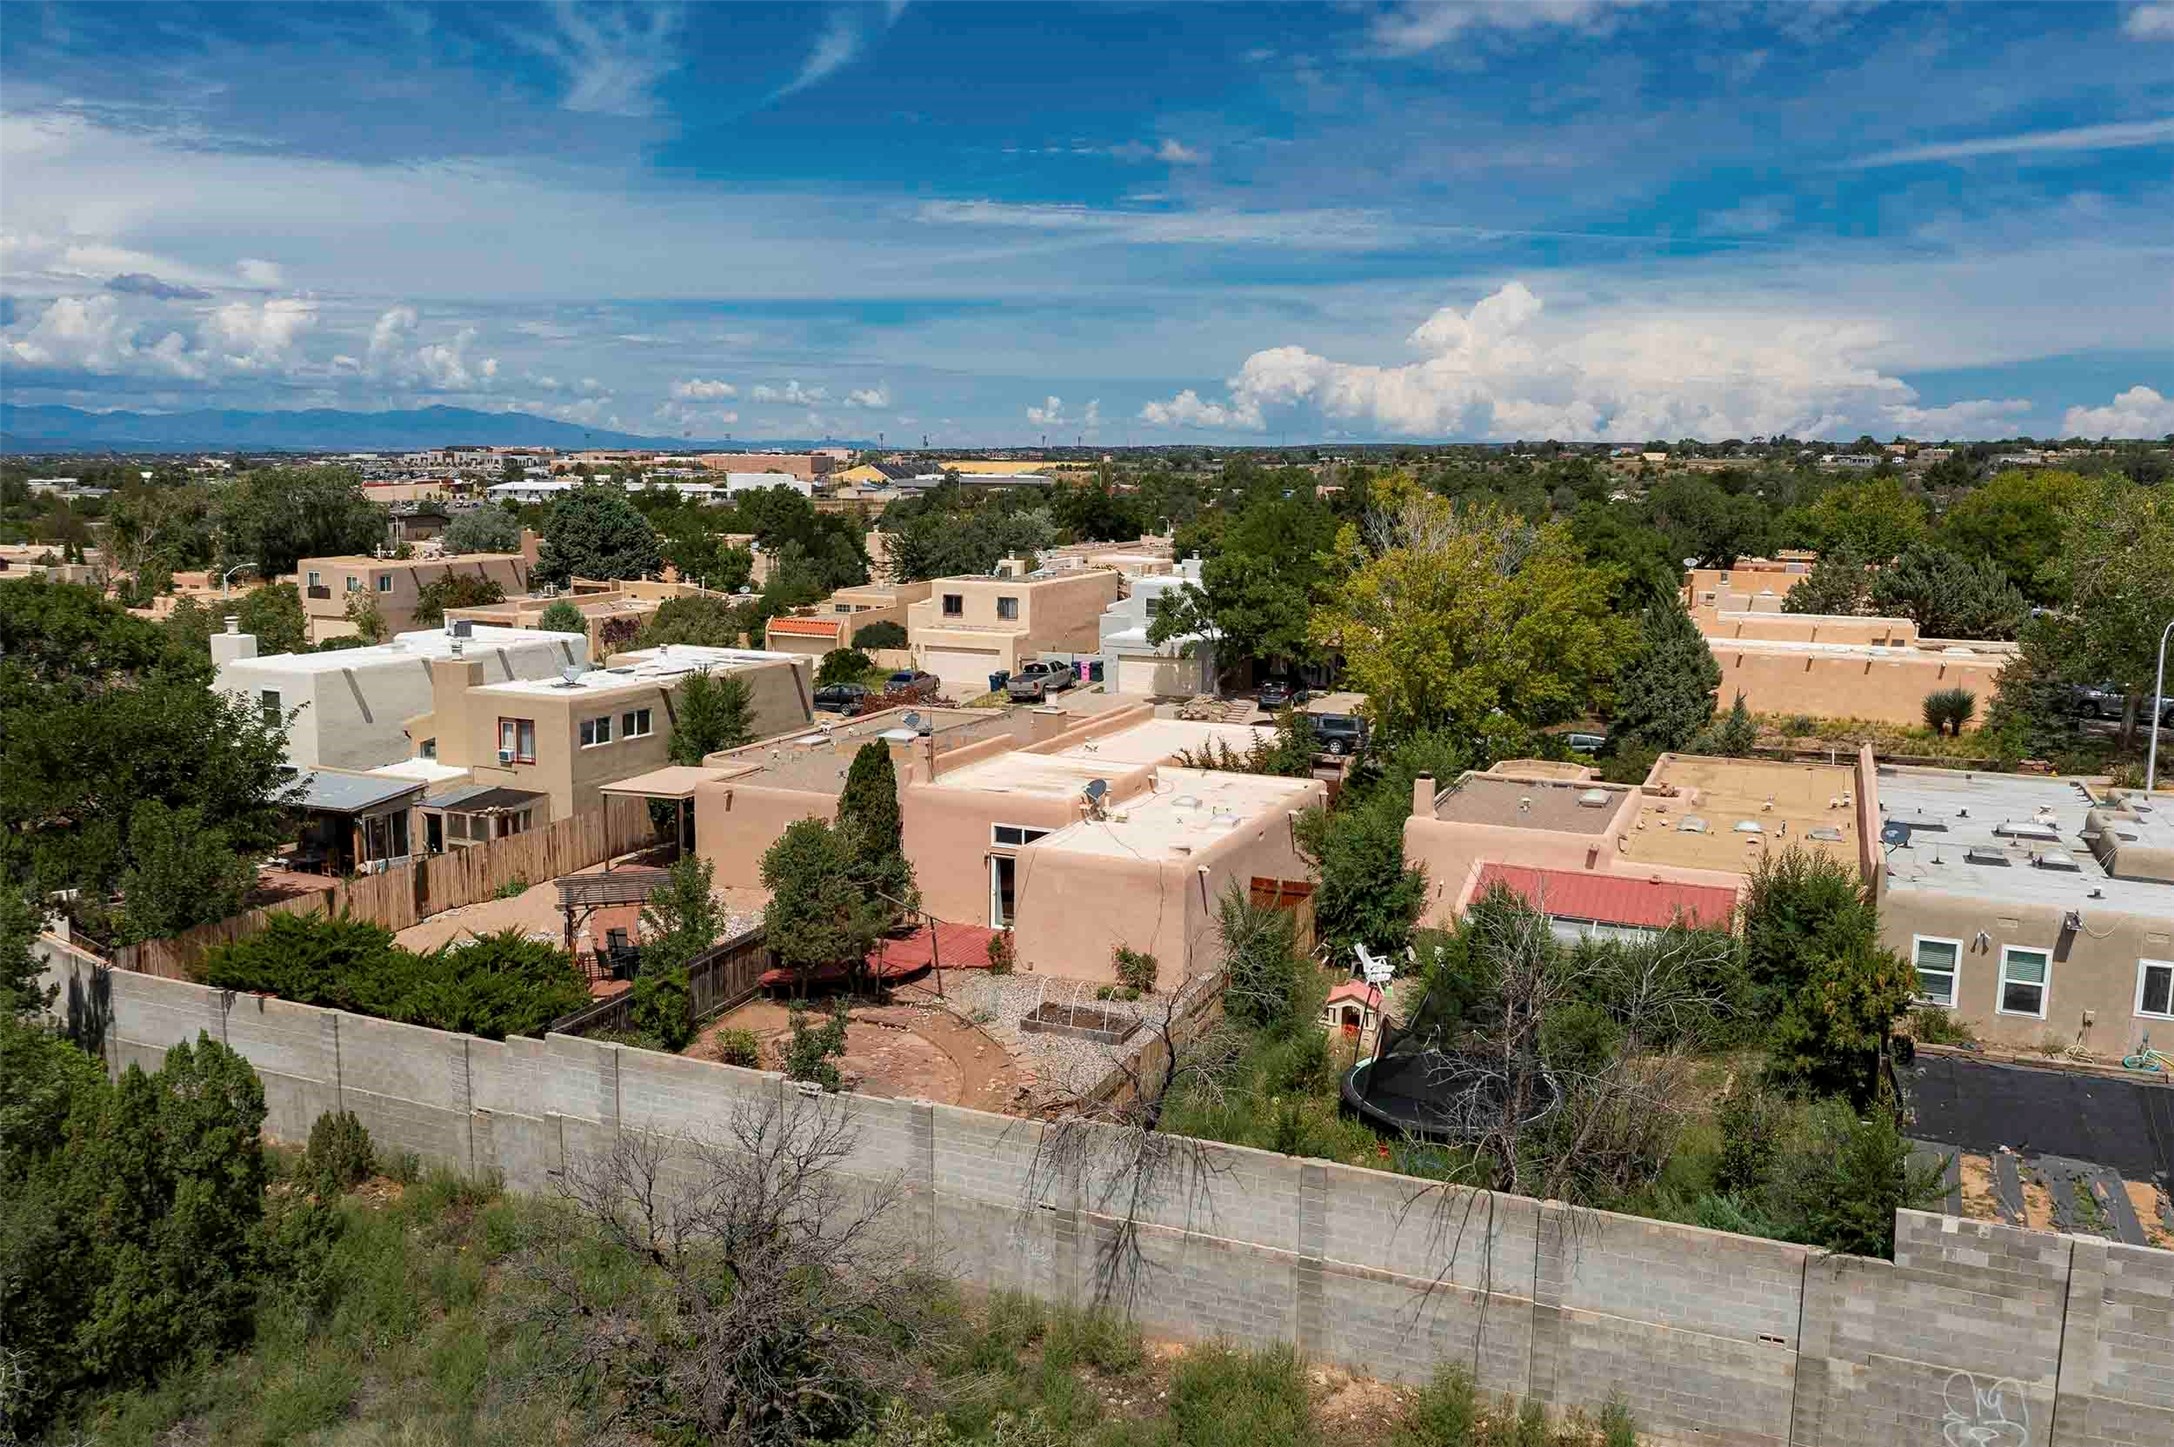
[1975, 1332]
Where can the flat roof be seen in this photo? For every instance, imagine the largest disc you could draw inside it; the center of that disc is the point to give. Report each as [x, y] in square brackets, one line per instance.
[1189, 810]
[364, 560]
[485, 799]
[1152, 741]
[427, 771]
[815, 759]
[420, 645]
[1044, 776]
[1727, 813]
[673, 781]
[1554, 806]
[647, 669]
[2012, 837]
[1877, 652]
[339, 792]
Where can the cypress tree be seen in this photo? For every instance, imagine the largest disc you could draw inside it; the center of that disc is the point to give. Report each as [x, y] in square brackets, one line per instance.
[868, 816]
[1665, 695]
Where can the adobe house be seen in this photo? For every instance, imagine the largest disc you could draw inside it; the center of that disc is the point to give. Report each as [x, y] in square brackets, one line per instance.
[972, 627]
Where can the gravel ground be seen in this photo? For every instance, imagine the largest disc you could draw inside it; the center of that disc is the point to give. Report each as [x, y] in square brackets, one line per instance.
[1058, 1064]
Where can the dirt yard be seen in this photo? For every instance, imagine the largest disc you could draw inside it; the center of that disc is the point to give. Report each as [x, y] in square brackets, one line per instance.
[904, 1051]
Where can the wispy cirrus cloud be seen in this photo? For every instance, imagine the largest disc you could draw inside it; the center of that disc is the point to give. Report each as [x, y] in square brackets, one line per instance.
[2120, 135]
[846, 35]
[612, 57]
[2149, 22]
[1417, 26]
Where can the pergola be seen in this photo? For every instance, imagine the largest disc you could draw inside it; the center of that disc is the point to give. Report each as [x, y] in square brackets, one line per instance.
[582, 895]
[674, 783]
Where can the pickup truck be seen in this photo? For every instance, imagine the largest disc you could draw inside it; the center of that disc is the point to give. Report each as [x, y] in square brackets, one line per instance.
[1038, 680]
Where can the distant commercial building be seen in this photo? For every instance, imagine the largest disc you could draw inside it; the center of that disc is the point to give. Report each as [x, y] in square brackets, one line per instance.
[2038, 910]
[393, 585]
[972, 627]
[351, 706]
[806, 466]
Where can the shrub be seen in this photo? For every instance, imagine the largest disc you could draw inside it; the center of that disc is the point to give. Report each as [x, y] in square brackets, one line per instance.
[1846, 1178]
[1260, 959]
[339, 1157]
[1947, 710]
[663, 1007]
[1224, 1396]
[1935, 1026]
[843, 665]
[1002, 953]
[812, 1048]
[739, 1047]
[879, 635]
[563, 617]
[1136, 971]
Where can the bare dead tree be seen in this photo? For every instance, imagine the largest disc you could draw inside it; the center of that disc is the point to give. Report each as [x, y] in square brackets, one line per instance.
[1105, 1139]
[739, 1290]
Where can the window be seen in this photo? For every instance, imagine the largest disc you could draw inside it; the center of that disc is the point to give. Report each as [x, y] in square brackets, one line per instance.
[268, 701]
[354, 584]
[384, 582]
[429, 749]
[2024, 976]
[316, 579]
[1007, 609]
[595, 731]
[634, 725]
[2155, 988]
[1936, 962]
[1015, 834]
[954, 605]
[517, 739]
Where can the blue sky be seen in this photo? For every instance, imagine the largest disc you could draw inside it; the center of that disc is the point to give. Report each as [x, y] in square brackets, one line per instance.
[1129, 223]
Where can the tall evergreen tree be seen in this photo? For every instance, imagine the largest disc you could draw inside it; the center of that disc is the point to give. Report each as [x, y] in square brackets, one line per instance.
[594, 532]
[712, 713]
[868, 816]
[1665, 694]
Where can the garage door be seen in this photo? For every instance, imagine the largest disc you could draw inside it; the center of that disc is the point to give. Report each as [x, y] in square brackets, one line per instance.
[965, 671]
[1161, 677]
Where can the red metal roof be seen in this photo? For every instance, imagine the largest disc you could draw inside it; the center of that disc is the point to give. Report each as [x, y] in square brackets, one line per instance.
[961, 947]
[810, 626]
[1613, 898]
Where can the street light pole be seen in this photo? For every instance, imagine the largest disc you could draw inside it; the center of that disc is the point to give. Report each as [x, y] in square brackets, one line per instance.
[2158, 701]
[226, 579]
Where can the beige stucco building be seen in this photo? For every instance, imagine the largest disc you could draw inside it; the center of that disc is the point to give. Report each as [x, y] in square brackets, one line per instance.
[2039, 910]
[614, 611]
[821, 627]
[1608, 859]
[564, 738]
[329, 585]
[971, 627]
[1002, 829]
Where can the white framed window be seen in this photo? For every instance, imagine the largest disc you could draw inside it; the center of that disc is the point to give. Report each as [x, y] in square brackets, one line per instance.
[2155, 989]
[316, 579]
[1014, 835]
[268, 703]
[2026, 975]
[1938, 963]
[354, 584]
[595, 731]
[517, 739]
[384, 582]
[634, 724]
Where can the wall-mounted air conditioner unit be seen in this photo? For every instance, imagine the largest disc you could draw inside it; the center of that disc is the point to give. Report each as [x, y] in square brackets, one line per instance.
[505, 756]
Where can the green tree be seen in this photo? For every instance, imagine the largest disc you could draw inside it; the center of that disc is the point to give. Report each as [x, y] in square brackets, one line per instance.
[454, 590]
[680, 921]
[273, 615]
[2014, 522]
[1703, 520]
[811, 1049]
[1735, 735]
[1838, 585]
[1873, 520]
[562, 617]
[1664, 695]
[703, 620]
[1449, 615]
[1832, 1031]
[1950, 596]
[595, 532]
[274, 517]
[482, 530]
[817, 917]
[2116, 567]
[874, 831]
[1800, 906]
[368, 619]
[1265, 978]
[879, 635]
[843, 665]
[180, 874]
[714, 713]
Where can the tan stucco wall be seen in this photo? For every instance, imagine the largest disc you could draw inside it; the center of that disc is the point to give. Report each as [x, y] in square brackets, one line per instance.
[328, 615]
[1889, 689]
[735, 825]
[1056, 615]
[2093, 973]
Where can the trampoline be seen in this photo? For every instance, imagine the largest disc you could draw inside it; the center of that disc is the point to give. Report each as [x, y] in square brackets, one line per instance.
[1415, 1086]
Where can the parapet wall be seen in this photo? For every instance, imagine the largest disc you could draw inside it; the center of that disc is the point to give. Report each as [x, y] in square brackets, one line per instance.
[1975, 1333]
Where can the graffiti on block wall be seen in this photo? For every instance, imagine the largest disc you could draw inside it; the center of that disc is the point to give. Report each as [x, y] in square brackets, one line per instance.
[1990, 1415]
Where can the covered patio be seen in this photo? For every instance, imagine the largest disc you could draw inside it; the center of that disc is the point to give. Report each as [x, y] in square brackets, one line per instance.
[672, 786]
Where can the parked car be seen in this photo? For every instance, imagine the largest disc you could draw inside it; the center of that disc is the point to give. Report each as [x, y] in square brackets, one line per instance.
[847, 699]
[1279, 693]
[911, 685]
[2109, 701]
[1038, 680]
[1586, 743]
[1340, 734]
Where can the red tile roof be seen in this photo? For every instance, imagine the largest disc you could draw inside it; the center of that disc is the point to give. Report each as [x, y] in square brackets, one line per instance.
[1613, 898]
[813, 627]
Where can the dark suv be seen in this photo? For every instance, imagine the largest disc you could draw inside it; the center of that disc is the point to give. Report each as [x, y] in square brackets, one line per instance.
[847, 699]
[1339, 735]
[1277, 694]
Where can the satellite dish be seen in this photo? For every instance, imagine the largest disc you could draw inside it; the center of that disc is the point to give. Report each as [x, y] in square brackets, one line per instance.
[745, 590]
[1096, 789]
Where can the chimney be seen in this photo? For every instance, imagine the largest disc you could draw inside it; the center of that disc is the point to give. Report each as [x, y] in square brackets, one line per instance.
[1423, 797]
[233, 644]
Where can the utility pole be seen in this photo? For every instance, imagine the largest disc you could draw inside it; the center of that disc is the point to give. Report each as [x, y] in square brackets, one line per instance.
[2158, 701]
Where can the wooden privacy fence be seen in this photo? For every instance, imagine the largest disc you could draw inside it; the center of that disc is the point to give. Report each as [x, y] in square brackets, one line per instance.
[430, 884]
[722, 976]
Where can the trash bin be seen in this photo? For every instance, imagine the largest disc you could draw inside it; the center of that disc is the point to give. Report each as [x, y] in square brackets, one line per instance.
[1094, 670]
[997, 681]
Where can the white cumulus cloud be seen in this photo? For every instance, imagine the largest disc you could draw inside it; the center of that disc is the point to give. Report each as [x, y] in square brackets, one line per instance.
[2149, 22]
[260, 337]
[1501, 370]
[792, 394]
[91, 334]
[1421, 25]
[396, 354]
[2138, 412]
[701, 389]
[258, 272]
[870, 397]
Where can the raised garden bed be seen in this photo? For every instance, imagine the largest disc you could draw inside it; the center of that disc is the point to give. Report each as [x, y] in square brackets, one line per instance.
[1084, 1022]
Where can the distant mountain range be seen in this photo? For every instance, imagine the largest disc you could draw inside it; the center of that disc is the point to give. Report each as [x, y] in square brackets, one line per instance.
[321, 429]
